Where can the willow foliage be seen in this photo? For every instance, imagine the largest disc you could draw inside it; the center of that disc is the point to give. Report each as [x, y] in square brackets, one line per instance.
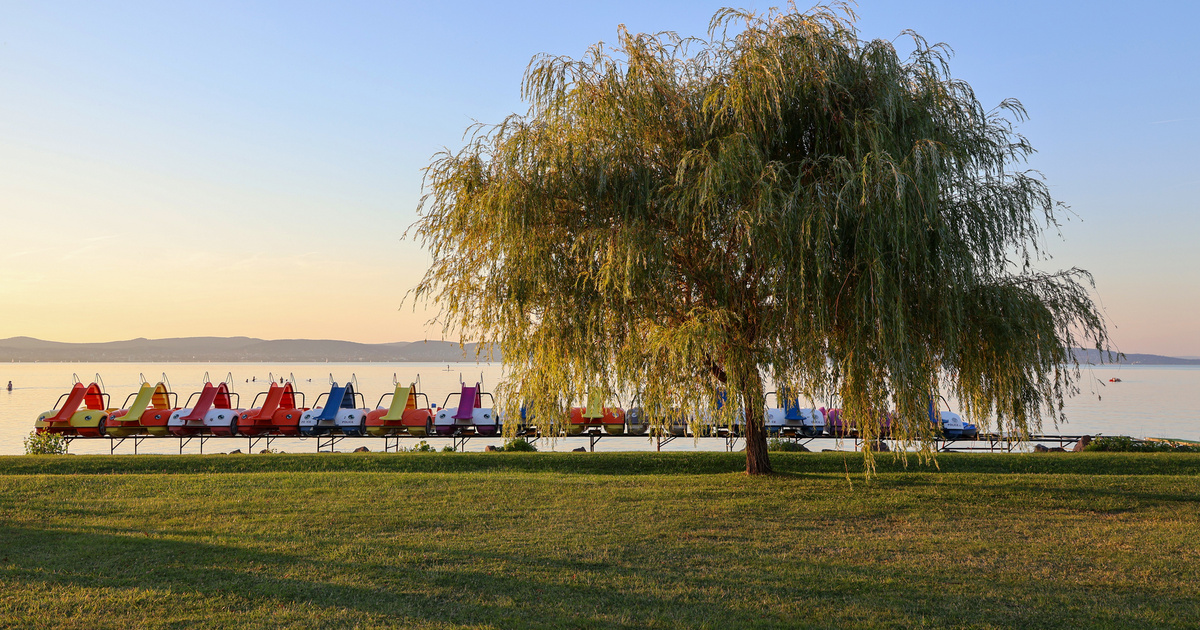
[779, 203]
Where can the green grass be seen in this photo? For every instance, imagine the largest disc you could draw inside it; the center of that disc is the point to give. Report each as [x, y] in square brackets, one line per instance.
[545, 540]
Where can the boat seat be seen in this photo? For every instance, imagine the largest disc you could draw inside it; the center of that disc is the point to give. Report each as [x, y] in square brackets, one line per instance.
[288, 401]
[348, 397]
[161, 398]
[94, 398]
[223, 400]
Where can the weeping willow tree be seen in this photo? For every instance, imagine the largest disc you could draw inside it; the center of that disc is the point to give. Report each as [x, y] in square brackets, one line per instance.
[779, 204]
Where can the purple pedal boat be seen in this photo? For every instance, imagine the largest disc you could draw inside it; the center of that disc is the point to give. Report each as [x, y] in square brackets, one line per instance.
[470, 416]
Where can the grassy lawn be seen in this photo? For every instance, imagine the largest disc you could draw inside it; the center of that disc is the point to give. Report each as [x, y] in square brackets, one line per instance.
[599, 541]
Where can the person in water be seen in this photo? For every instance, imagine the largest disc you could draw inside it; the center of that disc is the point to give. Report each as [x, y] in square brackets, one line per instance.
[10, 386]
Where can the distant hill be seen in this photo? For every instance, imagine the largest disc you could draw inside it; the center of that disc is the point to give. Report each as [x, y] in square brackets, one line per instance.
[249, 349]
[1093, 357]
[188, 349]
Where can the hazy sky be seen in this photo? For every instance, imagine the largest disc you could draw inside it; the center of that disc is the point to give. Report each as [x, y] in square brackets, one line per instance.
[211, 168]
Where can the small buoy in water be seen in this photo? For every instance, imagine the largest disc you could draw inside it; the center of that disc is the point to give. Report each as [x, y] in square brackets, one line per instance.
[1114, 380]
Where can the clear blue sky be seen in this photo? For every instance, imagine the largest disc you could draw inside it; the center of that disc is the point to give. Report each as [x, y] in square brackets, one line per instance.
[239, 168]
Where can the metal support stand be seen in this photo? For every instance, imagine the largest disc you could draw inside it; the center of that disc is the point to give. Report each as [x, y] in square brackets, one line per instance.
[985, 442]
[114, 442]
[530, 435]
[252, 442]
[325, 443]
[184, 441]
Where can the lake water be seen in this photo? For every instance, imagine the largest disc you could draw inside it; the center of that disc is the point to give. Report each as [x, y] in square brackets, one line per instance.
[1151, 401]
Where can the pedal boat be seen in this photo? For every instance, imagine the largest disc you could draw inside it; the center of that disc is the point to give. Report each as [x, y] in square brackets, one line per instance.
[679, 424]
[595, 416]
[635, 421]
[947, 423]
[404, 414]
[279, 412]
[470, 416]
[83, 411]
[527, 425]
[713, 426]
[214, 411]
[339, 413]
[836, 425]
[147, 410]
[791, 419]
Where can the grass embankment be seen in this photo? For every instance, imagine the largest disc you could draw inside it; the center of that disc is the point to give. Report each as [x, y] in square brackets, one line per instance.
[598, 540]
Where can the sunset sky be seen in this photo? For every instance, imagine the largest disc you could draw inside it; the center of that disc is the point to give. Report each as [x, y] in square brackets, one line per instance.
[249, 168]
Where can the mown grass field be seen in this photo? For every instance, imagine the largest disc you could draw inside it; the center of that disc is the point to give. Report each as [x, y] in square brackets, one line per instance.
[629, 540]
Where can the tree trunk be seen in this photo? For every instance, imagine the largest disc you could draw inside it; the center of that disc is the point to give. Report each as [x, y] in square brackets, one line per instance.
[758, 462]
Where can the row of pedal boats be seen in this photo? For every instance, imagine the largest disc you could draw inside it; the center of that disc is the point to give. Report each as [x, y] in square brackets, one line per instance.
[281, 410]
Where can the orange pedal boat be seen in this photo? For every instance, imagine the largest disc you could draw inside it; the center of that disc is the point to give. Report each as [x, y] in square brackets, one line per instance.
[280, 412]
[595, 416]
[149, 411]
[404, 414]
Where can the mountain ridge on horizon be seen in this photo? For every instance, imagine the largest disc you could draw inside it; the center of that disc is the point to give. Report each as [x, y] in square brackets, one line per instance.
[26, 349]
[234, 349]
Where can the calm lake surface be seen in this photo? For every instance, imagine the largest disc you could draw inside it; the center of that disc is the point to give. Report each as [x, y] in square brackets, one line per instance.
[1151, 401]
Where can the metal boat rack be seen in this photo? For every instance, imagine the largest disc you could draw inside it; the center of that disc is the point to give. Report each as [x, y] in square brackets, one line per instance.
[991, 442]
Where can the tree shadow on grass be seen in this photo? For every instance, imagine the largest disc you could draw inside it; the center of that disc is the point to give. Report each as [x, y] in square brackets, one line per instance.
[461, 587]
[609, 463]
[1065, 491]
[453, 591]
